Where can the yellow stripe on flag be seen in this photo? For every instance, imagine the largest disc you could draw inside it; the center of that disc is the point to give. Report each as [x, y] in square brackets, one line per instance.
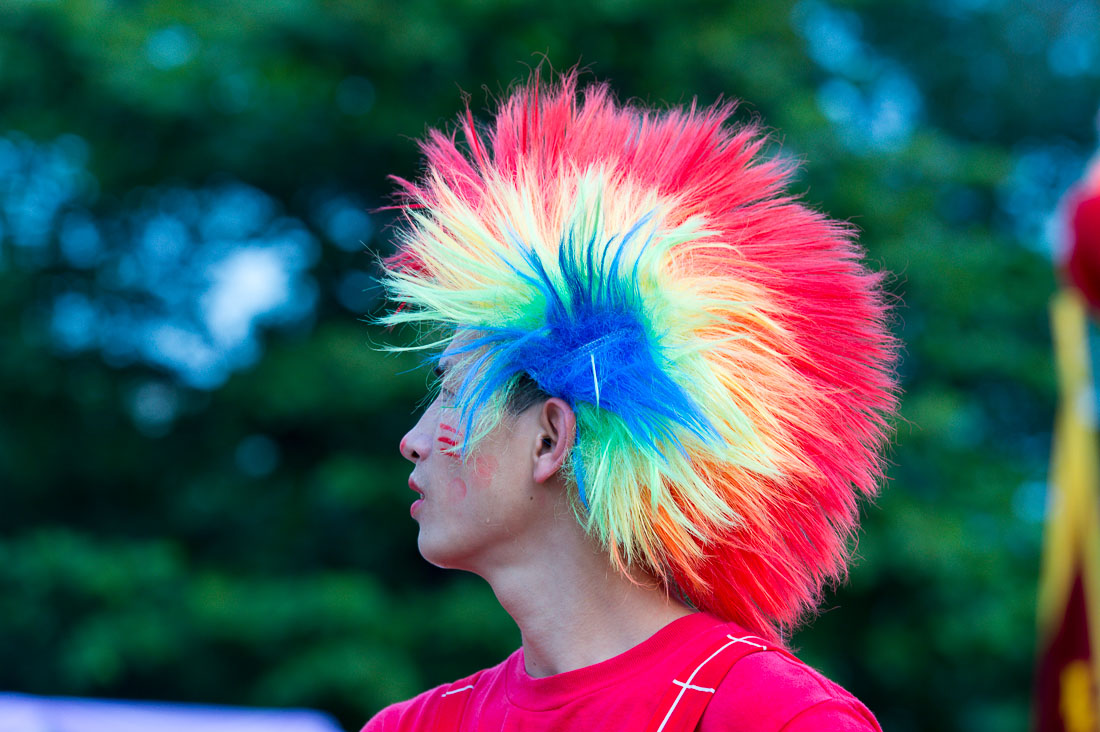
[1071, 540]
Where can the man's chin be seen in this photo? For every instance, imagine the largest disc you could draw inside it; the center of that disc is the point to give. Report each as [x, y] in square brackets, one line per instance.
[441, 554]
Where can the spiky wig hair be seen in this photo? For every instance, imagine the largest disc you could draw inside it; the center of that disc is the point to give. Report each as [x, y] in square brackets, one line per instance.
[722, 346]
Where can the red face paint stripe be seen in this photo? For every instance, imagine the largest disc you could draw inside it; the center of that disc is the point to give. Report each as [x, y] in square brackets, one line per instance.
[448, 444]
[447, 427]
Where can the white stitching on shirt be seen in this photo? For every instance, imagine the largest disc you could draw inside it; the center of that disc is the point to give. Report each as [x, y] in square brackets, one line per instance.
[455, 691]
[692, 686]
[685, 685]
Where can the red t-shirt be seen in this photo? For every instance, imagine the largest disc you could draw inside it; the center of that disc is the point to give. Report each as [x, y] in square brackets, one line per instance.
[767, 691]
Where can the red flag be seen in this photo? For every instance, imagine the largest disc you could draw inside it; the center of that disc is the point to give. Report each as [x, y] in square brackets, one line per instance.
[1068, 663]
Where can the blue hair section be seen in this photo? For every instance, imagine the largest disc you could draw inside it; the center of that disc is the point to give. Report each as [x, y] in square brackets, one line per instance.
[578, 474]
[593, 345]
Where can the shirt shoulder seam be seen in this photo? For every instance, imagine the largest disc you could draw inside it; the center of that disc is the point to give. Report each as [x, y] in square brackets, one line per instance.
[815, 705]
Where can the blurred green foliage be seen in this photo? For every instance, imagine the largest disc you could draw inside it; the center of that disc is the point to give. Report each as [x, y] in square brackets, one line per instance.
[165, 536]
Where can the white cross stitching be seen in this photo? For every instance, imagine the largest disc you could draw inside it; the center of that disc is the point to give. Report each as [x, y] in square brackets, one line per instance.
[692, 686]
[685, 685]
[455, 691]
[747, 642]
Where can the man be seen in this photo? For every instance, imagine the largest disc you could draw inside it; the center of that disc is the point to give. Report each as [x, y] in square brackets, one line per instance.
[663, 386]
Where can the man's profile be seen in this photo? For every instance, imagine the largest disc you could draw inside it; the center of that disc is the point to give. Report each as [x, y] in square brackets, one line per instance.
[663, 385]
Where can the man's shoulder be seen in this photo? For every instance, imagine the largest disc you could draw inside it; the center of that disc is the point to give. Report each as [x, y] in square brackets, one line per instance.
[416, 713]
[774, 690]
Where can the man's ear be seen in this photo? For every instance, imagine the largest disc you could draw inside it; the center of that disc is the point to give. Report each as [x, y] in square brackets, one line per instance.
[557, 428]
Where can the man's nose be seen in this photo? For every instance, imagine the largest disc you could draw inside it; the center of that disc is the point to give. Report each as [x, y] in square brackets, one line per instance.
[416, 443]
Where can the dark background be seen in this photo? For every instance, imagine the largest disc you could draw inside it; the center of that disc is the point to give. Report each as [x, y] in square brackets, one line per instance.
[200, 493]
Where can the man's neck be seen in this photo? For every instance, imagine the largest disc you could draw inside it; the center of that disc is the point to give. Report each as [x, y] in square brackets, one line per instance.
[574, 609]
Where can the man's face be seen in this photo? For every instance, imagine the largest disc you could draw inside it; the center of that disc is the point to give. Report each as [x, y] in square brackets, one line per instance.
[470, 514]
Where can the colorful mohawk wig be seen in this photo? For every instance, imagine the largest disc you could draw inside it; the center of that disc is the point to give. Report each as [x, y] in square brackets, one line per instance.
[722, 346]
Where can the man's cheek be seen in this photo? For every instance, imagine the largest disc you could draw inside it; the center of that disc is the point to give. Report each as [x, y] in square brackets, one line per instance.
[447, 442]
[458, 489]
[485, 467]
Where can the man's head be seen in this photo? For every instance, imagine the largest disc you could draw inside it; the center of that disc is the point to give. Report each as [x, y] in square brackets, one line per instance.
[479, 506]
[720, 345]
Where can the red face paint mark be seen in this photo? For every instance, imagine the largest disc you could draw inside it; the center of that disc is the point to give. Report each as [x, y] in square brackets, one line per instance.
[447, 443]
[485, 466]
[447, 447]
[458, 488]
[402, 448]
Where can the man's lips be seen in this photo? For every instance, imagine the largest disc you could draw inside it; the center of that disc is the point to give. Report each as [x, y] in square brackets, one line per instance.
[416, 504]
